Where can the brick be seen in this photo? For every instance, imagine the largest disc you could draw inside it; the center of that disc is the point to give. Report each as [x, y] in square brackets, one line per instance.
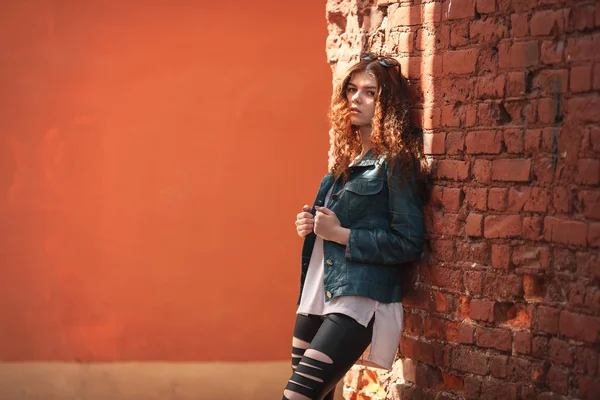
[432, 12]
[596, 75]
[502, 286]
[581, 78]
[446, 223]
[434, 143]
[474, 225]
[500, 339]
[453, 170]
[558, 381]
[552, 52]
[576, 294]
[452, 198]
[518, 54]
[416, 350]
[435, 328]
[476, 198]
[490, 30]
[460, 333]
[455, 143]
[513, 141]
[465, 360]
[515, 84]
[579, 326]
[519, 369]
[582, 108]
[460, 9]
[520, 316]
[497, 199]
[493, 389]
[517, 197]
[459, 35]
[443, 250]
[520, 24]
[473, 282]
[405, 16]
[594, 234]
[451, 382]
[560, 352]
[586, 360]
[482, 171]
[484, 142]
[482, 310]
[537, 201]
[485, 6]
[539, 140]
[443, 277]
[517, 170]
[550, 82]
[594, 136]
[502, 226]
[523, 342]
[450, 116]
[584, 48]
[547, 319]
[472, 387]
[590, 202]
[531, 256]
[532, 228]
[500, 256]
[589, 171]
[548, 107]
[490, 87]
[542, 22]
[543, 171]
[561, 199]
[498, 366]
[582, 17]
[534, 287]
[413, 324]
[539, 347]
[565, 231]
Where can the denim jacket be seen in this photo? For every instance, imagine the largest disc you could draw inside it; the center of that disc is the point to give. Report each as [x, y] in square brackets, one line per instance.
[385, 219]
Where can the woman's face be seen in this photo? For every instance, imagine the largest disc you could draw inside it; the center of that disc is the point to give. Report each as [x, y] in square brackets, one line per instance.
[360, 93]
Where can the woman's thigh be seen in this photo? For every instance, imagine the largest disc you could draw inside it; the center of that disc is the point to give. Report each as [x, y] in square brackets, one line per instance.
[335, 347]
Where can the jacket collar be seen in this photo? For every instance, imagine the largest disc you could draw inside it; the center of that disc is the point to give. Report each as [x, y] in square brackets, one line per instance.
[367, 160]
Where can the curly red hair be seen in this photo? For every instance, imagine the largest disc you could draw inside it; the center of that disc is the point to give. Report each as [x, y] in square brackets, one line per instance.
[392, 134]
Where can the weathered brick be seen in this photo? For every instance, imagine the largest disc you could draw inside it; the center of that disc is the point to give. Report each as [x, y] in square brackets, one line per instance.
[589, 171]
[434, 143]
[493, 389]
[459, 61]
[482, 171]
[502, 286]
[531, 256]
[590, 202]
[542, 22]
[498, 366]
[460, 333]
[500, 256]
[520, 24]
[488, 30]
[405, 16]
[416, 350]
[581, 78]
[485, 6]
[552, 51]
[539, 347]
[515, 84]
[443, 250]
[447, 223]
[460, 9]
[523, 342]
[472, 387]
[452, 198]
[547, 319]
[593, 237]
[453, 170]
[484, 142]
[435, 328]
[497, 199]
[517, 170]
[476, 198]
[513, 140]
[579, 326]
[518, 54]
[473, 282]
[532, 228]
[584, 48]
[586, 360]
[474, 225]
[561, 199]
[500, 339]
[565, 231]
[560, 352]
[466, 360]
[413, 323]
[455, 143]
[582, 107]
[502, 226]
[443, 277]
[558, 381]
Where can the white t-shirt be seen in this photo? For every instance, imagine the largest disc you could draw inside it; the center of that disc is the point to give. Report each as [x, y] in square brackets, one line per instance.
[388, 316]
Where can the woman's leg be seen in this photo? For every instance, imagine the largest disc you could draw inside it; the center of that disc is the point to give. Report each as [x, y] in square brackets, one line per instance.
[335, 347]
[305, 330]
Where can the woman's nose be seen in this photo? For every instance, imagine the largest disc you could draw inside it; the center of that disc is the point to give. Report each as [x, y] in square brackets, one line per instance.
[356, 97]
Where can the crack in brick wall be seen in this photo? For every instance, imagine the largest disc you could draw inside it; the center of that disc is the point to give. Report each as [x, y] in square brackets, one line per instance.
[506, 301]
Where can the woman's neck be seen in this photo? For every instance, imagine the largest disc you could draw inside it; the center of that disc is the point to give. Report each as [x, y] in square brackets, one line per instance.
[365, 137]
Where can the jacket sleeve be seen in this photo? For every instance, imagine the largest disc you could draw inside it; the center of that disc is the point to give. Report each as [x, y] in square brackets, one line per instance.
[402, 241]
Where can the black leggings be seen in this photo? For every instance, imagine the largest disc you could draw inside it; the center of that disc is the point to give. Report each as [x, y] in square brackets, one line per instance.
[333, 344]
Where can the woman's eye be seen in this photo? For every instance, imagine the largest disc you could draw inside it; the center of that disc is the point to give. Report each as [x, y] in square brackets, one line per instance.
[351, 90]
[371, 93]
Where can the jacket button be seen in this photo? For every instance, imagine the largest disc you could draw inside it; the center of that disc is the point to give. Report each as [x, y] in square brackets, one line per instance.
[328, 294]
[335, 197]
[329, 262]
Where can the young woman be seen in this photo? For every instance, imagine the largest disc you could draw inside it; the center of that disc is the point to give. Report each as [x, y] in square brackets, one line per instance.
[365, 224]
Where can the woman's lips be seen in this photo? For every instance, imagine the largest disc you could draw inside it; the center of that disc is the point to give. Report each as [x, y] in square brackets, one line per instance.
[354, 111]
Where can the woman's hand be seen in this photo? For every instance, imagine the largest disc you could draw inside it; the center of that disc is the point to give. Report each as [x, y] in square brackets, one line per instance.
[305, 222]
[328, 227]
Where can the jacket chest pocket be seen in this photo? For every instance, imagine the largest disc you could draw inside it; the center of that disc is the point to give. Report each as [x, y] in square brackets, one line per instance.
[361, 197]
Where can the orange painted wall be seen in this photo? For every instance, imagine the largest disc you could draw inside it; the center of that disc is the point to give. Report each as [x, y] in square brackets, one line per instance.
[153, 156]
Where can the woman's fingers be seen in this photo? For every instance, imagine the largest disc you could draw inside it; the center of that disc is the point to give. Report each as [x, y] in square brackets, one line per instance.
[305, 221]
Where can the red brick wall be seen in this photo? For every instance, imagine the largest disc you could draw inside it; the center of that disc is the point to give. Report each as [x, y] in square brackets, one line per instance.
[506, 303]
